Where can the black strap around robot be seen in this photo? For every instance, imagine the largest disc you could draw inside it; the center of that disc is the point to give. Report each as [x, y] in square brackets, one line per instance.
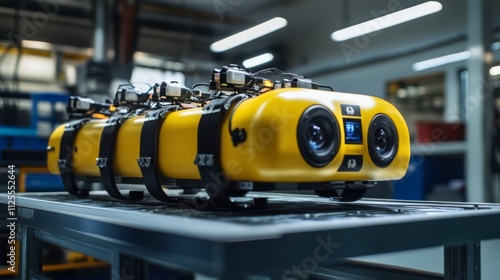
[65, 161]
[209, 147]
[106, 159]
[148, 155]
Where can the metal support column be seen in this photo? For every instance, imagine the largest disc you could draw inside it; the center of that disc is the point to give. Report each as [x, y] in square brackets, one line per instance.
[127, 267]
[31, 254]
[100, 50]
[462, 261]
[479, 104]
[126, 31]
[452, 97]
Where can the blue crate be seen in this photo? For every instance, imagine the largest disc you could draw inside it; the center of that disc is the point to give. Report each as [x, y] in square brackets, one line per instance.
[4, 143]
[425, 172]
[43, 182]
[30, 143]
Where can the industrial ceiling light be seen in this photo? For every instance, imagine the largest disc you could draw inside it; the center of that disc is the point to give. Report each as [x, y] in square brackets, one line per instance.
[249, 34]
[495, 46]
[442, 60]
[37, 45]
[258, 60]
[386, 21]
[495, 70]
[45, 46]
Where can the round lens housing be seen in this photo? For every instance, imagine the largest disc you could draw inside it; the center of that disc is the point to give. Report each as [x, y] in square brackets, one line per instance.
[318, 136]
[382, 140]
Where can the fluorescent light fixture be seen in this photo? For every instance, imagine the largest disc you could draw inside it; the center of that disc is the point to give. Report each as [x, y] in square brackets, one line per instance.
[495, 70]
[495, 46]
[45, 46]
[438, 61]
[249, 34]
[37, 45]
[258, 60]
[386, 21]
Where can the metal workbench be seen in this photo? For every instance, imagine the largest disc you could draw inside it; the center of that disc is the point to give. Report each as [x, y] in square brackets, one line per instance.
[293, 236]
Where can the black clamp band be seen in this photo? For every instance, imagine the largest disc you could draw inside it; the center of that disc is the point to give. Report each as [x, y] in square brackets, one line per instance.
[209, 146]
[65, 161]
[148, 154]
[106, 158]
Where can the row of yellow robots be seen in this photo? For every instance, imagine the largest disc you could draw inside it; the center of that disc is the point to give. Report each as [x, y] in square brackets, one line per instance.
[239, 132]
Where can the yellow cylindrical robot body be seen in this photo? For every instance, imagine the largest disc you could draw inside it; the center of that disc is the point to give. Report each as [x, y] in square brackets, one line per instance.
[290, 135]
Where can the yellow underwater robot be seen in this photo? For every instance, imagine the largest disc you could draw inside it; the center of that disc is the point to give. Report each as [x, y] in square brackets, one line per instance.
[263, 131]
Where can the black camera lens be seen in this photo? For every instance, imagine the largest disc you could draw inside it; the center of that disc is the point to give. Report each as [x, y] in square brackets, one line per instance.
[318, 136]
[382, 140]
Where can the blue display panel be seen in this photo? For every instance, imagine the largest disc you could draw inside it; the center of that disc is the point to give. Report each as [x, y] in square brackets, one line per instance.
[352, 131]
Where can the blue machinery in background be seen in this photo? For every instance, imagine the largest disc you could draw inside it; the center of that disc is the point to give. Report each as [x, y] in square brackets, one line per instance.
[24, 143]
[428, 176]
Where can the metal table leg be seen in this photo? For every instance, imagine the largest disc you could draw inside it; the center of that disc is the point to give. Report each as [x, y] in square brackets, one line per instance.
[462, 261]
[125, 267]
[31, 254]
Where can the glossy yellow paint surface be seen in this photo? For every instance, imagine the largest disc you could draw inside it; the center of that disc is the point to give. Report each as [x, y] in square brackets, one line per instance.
[269, 154]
